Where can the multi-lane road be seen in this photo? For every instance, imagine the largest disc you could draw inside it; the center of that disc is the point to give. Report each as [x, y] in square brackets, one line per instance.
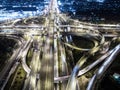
[52, 44]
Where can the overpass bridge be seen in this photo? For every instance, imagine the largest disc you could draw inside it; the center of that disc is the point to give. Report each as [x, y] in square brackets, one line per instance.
[54, 39]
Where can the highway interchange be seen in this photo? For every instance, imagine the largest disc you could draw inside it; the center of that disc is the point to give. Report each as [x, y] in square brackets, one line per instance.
[52, 41]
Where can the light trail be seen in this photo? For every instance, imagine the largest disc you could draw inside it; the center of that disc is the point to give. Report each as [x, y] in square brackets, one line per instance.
[87, 68]
[49, 66]
[101, 71]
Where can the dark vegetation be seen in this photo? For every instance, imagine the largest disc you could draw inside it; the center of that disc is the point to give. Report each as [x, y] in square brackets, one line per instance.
[6, 49]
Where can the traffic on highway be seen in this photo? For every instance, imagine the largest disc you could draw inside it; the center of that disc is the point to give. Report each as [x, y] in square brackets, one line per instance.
[56, 52]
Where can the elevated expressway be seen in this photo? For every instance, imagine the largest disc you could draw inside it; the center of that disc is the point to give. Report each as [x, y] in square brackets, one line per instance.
[53, 44]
